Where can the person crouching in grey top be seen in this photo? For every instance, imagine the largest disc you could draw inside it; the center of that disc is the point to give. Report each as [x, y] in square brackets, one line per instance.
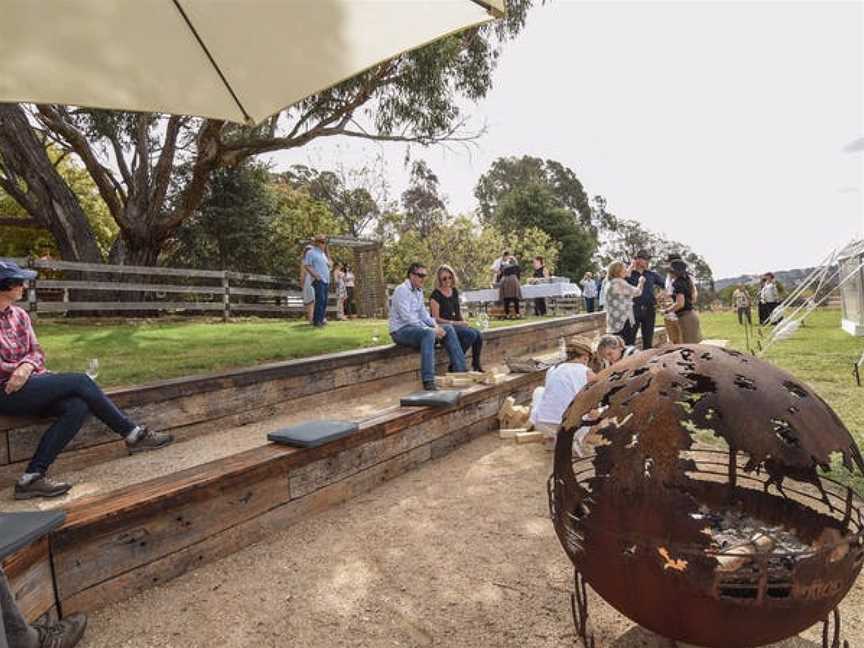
[411, 325]
[15, 632]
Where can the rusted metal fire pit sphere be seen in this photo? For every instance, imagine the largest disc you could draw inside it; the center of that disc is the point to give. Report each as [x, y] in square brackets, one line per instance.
[702, 515]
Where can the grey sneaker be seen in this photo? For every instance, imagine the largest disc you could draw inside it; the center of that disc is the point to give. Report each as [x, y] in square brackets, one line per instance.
[148, 440]
[63, 634]
[429, 385]
[41, 487]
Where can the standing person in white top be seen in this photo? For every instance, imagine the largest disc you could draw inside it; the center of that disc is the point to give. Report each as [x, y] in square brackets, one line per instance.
[350, 305]
[589, 291]
[563, 382]
[769, 298]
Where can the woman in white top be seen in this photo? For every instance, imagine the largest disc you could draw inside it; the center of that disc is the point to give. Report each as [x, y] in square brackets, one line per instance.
[589, 291]
[769, 299]
[350, 306]
[619, 302]
[563, 382]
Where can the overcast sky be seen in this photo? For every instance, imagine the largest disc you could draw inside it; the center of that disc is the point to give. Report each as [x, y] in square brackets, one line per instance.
[722, 125]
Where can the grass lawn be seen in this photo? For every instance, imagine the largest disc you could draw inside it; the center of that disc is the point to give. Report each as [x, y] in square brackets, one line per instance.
[820, 354]
[137, 352]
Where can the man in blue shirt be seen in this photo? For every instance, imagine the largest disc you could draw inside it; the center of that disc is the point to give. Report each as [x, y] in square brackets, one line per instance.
[645, 305]
[412, 325]
[318, 266]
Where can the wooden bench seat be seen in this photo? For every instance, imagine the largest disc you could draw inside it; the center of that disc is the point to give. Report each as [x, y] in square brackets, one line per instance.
[190, 407]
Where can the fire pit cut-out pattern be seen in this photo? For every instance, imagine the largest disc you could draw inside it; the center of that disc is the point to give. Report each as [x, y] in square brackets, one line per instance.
[702, 514]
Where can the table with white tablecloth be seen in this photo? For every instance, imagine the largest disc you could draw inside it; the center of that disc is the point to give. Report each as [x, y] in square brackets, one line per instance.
[529, 291]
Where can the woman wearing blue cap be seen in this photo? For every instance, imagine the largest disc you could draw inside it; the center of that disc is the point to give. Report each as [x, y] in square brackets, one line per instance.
[27, 389]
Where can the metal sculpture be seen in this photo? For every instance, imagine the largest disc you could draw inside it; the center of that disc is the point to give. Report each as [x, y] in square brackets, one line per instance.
[702, 515]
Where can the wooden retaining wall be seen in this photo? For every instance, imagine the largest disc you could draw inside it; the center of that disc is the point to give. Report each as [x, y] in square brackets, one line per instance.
[118, 544]
[188, 407]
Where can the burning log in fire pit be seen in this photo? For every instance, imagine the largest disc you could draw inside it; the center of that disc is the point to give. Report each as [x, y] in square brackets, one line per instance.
[702, 515]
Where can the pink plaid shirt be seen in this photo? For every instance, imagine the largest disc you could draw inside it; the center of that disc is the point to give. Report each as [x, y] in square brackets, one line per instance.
[18, 343]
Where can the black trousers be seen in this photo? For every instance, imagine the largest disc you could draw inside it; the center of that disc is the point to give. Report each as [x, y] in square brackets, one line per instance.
[744, 314]
[645, 316]
[765, 311]
[628, 334]
[540, 306]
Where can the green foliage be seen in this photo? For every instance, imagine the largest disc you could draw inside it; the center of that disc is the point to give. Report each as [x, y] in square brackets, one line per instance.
[354, 196]
[231, 228]
[37, 241]
[535, 206]
[298, 218]
[510, 173]
[250, 223]
[467, 247]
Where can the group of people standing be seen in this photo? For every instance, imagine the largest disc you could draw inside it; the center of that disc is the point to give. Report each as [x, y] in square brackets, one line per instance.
[630, 296]
[317, 273]
[506, 275]
[768, 299]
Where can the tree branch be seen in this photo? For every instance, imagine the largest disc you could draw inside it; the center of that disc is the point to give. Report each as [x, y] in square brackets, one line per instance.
[207, 160]
[105, 184]
[162, 173]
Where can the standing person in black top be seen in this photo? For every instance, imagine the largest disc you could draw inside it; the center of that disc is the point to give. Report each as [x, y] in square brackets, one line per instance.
[540, 272]
[445, 309]
[645, 305]
[510, 289]
[682, 294]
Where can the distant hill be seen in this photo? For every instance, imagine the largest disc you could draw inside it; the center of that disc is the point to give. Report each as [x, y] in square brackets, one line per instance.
[789, 278]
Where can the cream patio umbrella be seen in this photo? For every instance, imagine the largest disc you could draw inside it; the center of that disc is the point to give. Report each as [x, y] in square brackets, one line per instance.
[238, 60]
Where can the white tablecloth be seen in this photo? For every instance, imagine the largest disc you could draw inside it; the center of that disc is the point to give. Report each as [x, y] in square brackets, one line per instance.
[528, 292]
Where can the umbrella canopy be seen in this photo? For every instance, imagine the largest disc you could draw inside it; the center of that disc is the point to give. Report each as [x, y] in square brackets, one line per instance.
[238, 60]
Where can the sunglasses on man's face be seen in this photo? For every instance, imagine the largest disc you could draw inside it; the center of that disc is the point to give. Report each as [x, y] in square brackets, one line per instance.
[422, 275]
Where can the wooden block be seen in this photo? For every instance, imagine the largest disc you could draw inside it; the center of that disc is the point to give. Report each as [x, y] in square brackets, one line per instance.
[529, 437]
[510, 433]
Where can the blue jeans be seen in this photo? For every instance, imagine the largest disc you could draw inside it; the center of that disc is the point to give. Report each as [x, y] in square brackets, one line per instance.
[589, 304]
[72, 398]
[321, 293]
[471, 338]
[423, 338]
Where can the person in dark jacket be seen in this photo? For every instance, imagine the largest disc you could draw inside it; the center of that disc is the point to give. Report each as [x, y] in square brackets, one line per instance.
[645, 305]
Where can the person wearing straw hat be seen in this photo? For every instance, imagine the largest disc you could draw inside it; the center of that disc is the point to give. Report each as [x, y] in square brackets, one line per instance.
[682, 305]
[563, 382]
[318, 266]
[27, 389]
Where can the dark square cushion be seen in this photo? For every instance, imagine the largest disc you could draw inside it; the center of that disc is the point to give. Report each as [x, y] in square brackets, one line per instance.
[313, 433]
[17, 530]
[440, 398]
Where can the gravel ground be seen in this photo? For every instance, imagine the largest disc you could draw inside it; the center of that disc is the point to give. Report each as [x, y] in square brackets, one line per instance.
[112, 475]
[458, 553]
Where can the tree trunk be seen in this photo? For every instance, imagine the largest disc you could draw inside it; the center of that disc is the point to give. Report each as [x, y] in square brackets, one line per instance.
[41, 190]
